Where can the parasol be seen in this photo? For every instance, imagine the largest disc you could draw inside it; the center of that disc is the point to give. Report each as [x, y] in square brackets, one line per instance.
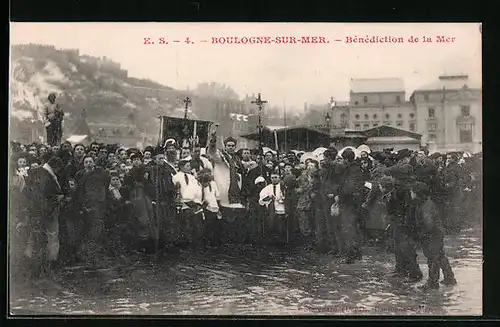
[308, 155]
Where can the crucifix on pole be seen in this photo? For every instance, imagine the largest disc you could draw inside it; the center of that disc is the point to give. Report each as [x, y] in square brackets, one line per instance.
[259, 102]
[187, 102]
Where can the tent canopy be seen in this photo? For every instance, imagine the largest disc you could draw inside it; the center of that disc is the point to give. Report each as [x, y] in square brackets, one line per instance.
[291, 138]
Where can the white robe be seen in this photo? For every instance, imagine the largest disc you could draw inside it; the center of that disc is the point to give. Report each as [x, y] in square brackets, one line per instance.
[190, 191]
[211, 196]
[279, 206]
[222, 179]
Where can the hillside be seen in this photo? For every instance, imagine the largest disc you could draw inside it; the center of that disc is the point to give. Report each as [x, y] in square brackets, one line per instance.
[98, 85]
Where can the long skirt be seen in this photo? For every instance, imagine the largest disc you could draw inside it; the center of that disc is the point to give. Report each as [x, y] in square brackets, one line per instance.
[348, 232]
[143, 219]
[324, 230]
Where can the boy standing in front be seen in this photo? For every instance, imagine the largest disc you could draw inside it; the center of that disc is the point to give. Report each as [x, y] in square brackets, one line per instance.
[431, 237]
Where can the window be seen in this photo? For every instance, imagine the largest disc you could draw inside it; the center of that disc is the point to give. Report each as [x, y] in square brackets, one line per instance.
[432, 112]
[399, 124]
[426, 97]
[412, 127]
[375, 116]
[356, 102]
[375, 125]
[365, 99]
[432, 127]
[465, 133]
[387, 116]
[357, 126]
[432, 137]
[465, 110]
[398, 99]
[366, 116]
[366, 126]
[400, 116]
[387, 123]
[343, 119]
[357, 116]
[412, 115]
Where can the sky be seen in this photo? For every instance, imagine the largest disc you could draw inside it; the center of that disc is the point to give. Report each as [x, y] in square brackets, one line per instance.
[289, 74]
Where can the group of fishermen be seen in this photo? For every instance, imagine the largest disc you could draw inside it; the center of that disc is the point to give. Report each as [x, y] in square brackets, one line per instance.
[75, 203]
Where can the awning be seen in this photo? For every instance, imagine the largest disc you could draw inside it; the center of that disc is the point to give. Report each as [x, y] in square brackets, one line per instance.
[392, 139]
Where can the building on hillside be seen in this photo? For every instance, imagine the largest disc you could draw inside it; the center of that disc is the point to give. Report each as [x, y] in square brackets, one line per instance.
[449, 114]
[376, 102]
[382, 137]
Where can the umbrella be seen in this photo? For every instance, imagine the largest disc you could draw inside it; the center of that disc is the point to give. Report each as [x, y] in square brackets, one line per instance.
[319, 151]
[266, 150]
[308, 155]
[364, 147]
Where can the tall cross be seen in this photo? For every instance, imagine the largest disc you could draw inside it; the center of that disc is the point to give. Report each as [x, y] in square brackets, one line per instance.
[259, 102]
[187, 102]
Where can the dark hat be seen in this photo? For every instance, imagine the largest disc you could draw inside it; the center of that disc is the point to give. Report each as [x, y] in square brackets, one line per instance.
[388, 149]
[435, 155]
[149, 149]
[403, 153]
[330, 153]
[135, 155]
[114, 173]
[348, 154]
[379, 156]
[230, 139]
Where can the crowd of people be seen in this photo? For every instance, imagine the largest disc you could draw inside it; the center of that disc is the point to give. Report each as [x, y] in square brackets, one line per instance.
[77, 203]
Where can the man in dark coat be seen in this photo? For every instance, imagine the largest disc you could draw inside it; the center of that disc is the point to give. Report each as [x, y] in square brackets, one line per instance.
[74, 165]
[44, 196]
[350, 199]
[165, 192]
[90, 199]
[396, 195]
[170, 225]
[453, 184]
[329, 186]
[431, 236]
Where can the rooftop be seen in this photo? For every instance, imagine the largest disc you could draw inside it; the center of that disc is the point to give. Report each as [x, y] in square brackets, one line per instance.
[371, 85]
[450, 82]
